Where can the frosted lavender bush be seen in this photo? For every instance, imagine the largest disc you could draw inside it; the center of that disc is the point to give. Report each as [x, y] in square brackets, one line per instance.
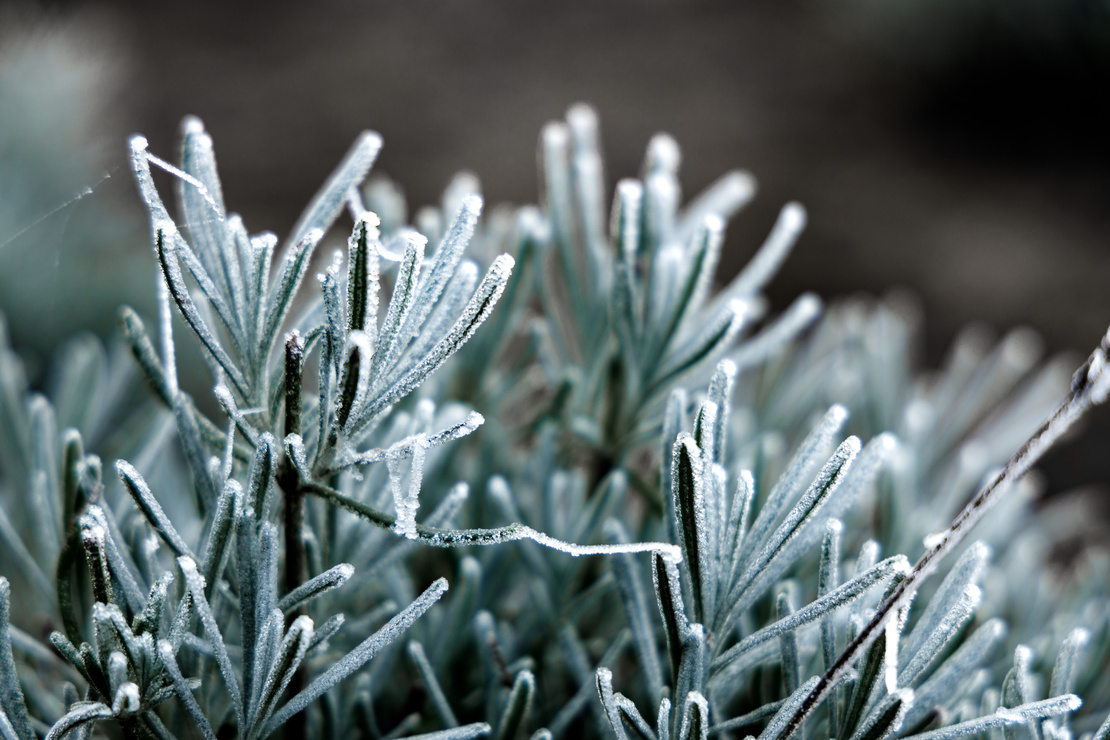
[482, 401]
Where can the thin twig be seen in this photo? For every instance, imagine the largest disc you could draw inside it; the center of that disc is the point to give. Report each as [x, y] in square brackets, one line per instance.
[1090, 387]
[479, 537]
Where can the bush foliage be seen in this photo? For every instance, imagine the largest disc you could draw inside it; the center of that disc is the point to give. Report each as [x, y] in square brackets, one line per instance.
[662, 514]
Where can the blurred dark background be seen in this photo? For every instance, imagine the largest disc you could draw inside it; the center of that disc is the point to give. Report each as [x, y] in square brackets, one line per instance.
[957, 148]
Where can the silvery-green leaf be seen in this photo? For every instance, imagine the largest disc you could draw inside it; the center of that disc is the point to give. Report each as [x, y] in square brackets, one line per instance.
[778, 724]
[635, 604]
[739, 514]
[391, 340]
[674, 421]
[165, 235]
[754, 717]
[1017, 689]
[331, 347]
[965, 573]
[723, 198]
[219, 534]
[355, 659]
[945, 683]
[633, 720]
[431, 684]
[708, 344]
[267, 642]
[353, 388]
[7, 731]
[205, 214]
[689, 492]
[558, 201]
[328, 202]
[461, 608]
[75, 718]
[788, 644]
[944, 631]
[316, 587]
[96, 560]
[150, 619]
[609, 702]
[625, 230]
[886, 719]
[12, 544]
[661, 192]
[466, 732]
[11, 694]
[808, 455]
[695, 717]
[770, 256]
[720, 393]
[668, 595]
[663, 719]
[871, 670]
[1006, 718]
[448, 309]
[517, 706]
[326, 631]
[143, 350]
[293, 382]
[212, 294]
[181, 687]
[362, 275]
[588, 191]
[799, 316]
[699, 264]
[262, 253]
[68, 651]
[199, 160]
[197, 589]
[692, 668]
[289, 656]
[279, 297]
[444, 262]
[776, 546]
[134, 484]
[1065, 671]
[480, 306]
[261, 471]
[828, 580]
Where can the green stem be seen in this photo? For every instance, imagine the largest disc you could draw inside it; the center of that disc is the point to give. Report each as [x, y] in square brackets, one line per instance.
[289, 480]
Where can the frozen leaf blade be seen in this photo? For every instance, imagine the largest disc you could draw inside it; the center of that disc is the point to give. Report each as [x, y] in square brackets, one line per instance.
[330, 200]
[196, 586]
[279, 298]
[316, 587]
[479, 308]
[355, 659]
[11, 694]
[689, 492]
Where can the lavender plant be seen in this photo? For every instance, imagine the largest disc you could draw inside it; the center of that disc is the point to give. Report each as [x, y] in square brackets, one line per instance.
[281, 568]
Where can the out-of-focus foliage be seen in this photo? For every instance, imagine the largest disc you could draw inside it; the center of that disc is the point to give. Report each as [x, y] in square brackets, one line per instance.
[68, 237]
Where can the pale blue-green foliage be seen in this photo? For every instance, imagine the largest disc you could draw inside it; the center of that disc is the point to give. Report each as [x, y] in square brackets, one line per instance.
[954, 431]
[878, 699]
[272, 571]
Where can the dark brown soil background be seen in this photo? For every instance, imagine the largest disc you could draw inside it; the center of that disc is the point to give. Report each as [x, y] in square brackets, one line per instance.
[963, 156]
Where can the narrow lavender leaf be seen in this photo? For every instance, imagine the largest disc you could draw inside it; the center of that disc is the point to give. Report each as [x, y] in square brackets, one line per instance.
[196, 585]
[328, 203]
[355, 659]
